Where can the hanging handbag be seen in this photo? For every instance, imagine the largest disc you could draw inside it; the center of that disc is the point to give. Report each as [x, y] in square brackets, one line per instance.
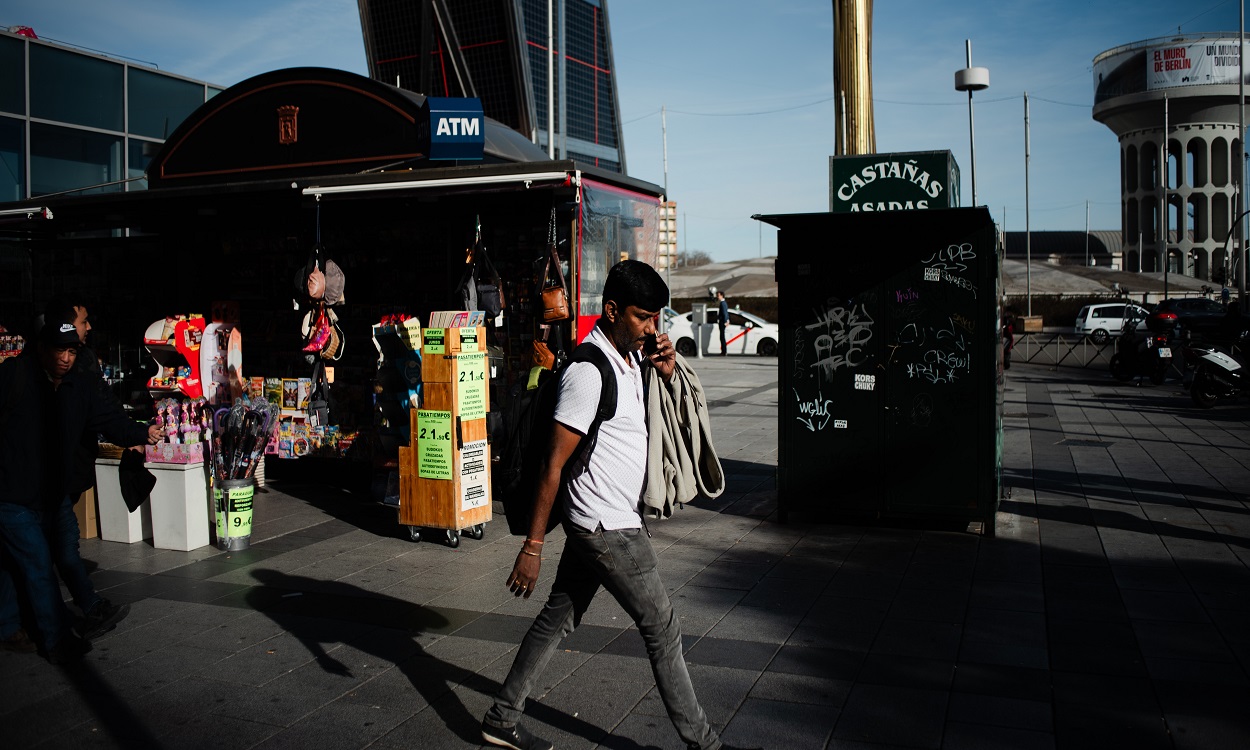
[317, 327]
[555, 296]
[541, 354]
[489, 286]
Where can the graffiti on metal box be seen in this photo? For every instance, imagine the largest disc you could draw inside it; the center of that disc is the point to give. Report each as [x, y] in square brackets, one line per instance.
[841, 335]
[933, 354]
[814, 412]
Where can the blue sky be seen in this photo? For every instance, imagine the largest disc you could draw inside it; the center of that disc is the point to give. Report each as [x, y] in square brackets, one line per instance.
[748, 89]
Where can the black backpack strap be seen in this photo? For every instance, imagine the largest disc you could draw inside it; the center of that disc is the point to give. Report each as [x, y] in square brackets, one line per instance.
[588, 352]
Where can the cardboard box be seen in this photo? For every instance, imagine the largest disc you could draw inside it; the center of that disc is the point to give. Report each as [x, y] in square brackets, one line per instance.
[85, 509]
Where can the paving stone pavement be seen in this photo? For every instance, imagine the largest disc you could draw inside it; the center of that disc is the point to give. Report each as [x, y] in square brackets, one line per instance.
[1111, 609]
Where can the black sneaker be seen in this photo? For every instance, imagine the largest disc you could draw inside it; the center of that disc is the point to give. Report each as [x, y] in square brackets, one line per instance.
[515, 737]
[68, 650]
[102, 618]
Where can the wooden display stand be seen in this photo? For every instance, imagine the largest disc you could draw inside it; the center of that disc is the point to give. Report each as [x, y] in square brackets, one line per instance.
[444, 475]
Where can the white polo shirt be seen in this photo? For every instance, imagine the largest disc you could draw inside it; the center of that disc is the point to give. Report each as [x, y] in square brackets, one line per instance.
[605, 486]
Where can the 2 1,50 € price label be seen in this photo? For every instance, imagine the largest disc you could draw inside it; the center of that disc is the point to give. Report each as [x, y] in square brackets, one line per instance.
[434, 444]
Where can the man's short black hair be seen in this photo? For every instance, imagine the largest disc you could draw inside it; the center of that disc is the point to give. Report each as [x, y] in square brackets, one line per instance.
[632, 282]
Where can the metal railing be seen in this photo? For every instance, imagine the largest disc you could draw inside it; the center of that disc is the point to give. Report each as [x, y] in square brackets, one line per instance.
[1077, 350]
[1067, 349]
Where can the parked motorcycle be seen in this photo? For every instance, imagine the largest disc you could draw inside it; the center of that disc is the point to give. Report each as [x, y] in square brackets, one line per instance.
[1144, 353]
[1217, 375]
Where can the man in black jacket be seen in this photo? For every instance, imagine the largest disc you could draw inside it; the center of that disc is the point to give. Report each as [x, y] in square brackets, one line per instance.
[46, 405]
[99, 614]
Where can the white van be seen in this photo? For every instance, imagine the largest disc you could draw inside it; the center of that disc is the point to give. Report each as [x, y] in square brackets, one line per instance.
[1101, 322]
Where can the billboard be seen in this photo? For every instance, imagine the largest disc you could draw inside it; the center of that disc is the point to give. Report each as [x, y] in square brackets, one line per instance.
[902, 181]
[1192, 64]
[1163, 64]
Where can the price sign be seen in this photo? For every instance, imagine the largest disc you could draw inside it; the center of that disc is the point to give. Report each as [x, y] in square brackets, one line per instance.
[474, 477]
[471, 398]
[434, 444]
[234, 511]
[434, 340]
[468, 340]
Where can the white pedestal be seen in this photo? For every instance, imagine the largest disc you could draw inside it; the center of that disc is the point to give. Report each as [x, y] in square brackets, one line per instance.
[117, 522]
[179, 506]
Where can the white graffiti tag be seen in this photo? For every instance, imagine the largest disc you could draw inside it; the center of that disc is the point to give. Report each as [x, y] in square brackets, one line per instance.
[815, 411]
[842, 334]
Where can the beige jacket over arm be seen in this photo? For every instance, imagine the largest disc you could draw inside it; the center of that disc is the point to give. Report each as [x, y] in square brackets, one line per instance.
[681, 460]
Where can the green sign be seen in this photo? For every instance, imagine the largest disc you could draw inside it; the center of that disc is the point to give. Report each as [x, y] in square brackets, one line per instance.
[468, 340]
[909, 181]
[434, 444]
[471, 387]
[435, 340]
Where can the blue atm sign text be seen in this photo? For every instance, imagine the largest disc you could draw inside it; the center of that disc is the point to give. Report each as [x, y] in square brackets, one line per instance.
[455, 127]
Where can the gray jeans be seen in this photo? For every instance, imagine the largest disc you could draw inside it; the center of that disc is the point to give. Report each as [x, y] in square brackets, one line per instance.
[624, 563]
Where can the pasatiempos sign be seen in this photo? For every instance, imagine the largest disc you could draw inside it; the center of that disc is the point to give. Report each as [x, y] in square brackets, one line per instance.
[903, 181]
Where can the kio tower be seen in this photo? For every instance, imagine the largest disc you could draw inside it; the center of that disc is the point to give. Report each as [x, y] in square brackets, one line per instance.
[498, 51]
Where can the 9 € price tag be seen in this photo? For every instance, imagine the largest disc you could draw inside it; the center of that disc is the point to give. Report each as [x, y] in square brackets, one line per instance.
[434, 444]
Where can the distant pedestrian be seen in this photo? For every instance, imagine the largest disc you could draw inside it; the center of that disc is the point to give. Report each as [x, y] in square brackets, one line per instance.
[722, 318]
[1009, 338]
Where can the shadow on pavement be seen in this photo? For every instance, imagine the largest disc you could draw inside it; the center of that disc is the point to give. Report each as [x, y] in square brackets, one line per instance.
[295, 602]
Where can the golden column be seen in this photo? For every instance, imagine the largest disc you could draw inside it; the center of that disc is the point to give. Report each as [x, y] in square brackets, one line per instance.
[852, 77]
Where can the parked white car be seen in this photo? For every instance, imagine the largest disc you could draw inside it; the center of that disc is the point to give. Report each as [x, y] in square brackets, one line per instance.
[1101, 322]
[745, 333]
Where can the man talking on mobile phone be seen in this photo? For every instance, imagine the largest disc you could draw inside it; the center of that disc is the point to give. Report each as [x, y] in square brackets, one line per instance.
[606, 543]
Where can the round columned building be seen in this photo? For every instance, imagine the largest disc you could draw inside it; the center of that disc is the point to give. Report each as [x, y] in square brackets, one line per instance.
[1187, 84]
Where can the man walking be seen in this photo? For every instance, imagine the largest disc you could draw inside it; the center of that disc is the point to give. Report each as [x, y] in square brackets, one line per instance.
[722, 318]
[45, 406]
[601, 495]
[99, 614]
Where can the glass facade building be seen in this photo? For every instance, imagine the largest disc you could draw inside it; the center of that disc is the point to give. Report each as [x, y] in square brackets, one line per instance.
[497, 50]
[76, 121]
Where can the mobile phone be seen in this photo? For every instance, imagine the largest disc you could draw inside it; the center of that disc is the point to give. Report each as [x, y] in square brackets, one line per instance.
[650, 345]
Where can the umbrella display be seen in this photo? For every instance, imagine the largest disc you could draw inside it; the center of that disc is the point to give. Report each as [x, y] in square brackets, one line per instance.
[242, 431]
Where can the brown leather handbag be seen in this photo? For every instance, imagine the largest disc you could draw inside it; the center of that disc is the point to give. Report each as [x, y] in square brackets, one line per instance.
[554, 293]
[541, 354]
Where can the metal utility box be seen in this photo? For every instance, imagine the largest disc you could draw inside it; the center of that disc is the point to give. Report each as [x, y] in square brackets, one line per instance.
[698, 313]
[901, 181]
[890, 367]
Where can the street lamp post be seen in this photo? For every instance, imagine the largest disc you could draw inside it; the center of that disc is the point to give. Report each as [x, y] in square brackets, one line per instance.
[972, 79]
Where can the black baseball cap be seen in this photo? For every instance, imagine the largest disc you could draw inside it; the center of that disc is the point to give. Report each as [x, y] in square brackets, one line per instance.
[58, 329]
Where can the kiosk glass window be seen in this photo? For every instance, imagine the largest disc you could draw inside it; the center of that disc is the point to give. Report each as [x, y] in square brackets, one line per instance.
[76, 89]
[138, 156]
[12, 160]
[68, 159]
[158, 103]
[616, 224]
[12, 75]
